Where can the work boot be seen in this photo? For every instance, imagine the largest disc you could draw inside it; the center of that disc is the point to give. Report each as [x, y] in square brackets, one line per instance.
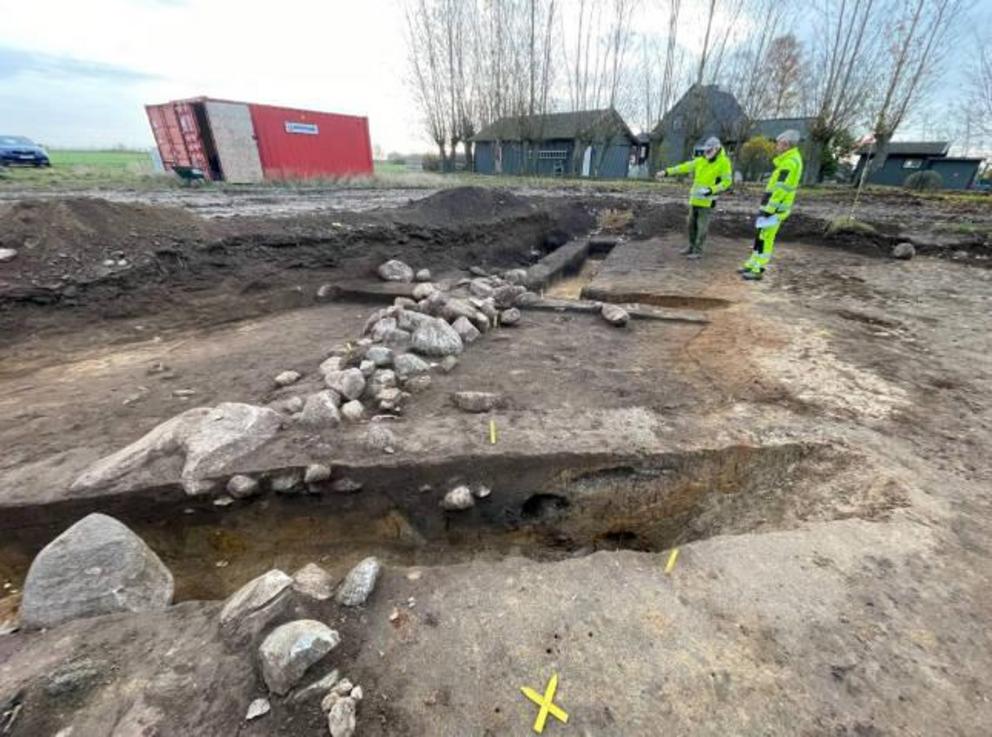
[753, 275]
[685, 251]
[694, 255]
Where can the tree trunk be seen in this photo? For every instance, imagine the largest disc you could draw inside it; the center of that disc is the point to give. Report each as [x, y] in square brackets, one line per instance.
[469, 156]
[814, 166]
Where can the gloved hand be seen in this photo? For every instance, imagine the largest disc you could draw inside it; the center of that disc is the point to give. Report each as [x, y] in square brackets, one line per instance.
[661, 174]
[766, 221]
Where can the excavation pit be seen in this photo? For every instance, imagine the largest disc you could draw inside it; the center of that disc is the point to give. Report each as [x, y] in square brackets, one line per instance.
[542, 508]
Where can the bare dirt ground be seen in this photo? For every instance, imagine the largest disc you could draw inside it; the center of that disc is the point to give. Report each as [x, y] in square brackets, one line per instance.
[817, 451]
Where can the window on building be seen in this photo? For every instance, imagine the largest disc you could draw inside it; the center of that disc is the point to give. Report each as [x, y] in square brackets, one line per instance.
[912, 163]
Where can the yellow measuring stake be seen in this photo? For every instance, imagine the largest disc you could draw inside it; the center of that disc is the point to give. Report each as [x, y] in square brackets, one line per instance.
[546, 702]
[672, 557]
[492, 432]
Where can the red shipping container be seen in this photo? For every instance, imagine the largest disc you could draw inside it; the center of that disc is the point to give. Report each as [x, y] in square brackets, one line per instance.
[302, 144]
[245, 142]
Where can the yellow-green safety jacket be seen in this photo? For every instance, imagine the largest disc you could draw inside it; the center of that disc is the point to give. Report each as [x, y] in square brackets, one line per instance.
[717, 175]
[780, 192]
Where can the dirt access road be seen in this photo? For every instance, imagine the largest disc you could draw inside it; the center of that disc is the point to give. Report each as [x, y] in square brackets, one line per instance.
[816, 449]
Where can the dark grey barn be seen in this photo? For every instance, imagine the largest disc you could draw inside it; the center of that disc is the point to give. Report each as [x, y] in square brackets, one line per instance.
[589, 143]
[703, 111]
[907, 157]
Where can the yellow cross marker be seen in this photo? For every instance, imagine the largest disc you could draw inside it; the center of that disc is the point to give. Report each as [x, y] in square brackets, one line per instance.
[546, 703]
[492, 432]
[672, 557]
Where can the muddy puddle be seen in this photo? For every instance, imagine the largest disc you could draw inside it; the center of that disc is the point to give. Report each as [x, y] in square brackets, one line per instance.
[543, 509]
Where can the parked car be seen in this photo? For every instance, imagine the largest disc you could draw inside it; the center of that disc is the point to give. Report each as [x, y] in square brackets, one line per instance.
[21, 151]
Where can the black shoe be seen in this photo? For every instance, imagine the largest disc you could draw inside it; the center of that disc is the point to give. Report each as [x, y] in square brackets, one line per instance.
[753, 276]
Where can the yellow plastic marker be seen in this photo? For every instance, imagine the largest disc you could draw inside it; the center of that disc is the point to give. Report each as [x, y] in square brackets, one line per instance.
[546, 703]
[492, 432]
[672, 557]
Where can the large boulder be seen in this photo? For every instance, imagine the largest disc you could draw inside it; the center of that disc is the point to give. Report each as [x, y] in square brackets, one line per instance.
[97, 566]
[359, 583]
[466, 330]
[436, 338]
[477, 401]
[209, 438]
[395, 270]
[254, 606]
[408, 365]
[289, 651]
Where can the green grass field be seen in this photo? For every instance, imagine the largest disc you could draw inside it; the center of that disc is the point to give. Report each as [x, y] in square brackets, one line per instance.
[80, 168]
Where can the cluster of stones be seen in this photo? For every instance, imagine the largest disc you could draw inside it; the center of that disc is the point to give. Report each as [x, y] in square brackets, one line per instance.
[292, 650]
[99, 566]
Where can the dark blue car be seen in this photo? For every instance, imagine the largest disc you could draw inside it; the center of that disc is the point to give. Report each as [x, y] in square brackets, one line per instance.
[21, 151]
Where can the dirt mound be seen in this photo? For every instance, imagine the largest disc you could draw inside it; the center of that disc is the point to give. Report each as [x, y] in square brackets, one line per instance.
[70, 239]
[467, 204]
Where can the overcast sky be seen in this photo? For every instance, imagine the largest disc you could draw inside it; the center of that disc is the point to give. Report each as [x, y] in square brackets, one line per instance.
[77, 72]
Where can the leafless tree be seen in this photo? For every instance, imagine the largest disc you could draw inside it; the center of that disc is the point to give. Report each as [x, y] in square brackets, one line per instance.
[783, 66]
[841, 69]
[914, 52]
[981, 82]
[425, 43]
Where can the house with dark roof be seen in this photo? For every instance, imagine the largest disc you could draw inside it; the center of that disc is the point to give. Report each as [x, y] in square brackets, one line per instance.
[588, 143]
[703, 111]
[907, 157]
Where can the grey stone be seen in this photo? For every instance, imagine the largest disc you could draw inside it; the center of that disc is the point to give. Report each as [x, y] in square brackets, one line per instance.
[408, 365]
[488, 308]
[383, 328]
[380, 437]
[481, 491]
[423, 291]
[480, 288]
[405, 303]
[615, 315]
[379, 355]
[290, 649]
[509, 317]
[477, 271]
[476, 401]
[341, 718]
[454, 308]
[528, 298]
[366, 367]
[209, 438]
[357, 693]
[343, 687]
[285, 378]
[433, 303]
[289, 405]
[381, 380]
[7, 254]
[458, 499]
[395, 270]
[376, 316]
[334, 363]
[257, 708]
[326, 292]
[423, 275]
[321, 410]
[349, 383]
[97, 566]
[318, 688]
[316, 472]
[506, 296]
[436, 339]
[345, 486]
[251, 609]
[241, 486]
[448, 364]
[409, 320]
[359, 583]
[73, 677]
[466, 330]
[516, 276]
[353, 411]
[397, 340]
[418, 384]
[391, 398]
[287, 482]
[313, 581]
[904, 251]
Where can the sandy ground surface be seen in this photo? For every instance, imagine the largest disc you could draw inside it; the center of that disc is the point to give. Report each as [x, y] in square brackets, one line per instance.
[817, 451]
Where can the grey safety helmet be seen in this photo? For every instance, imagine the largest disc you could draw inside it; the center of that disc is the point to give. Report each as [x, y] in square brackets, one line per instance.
[711, 147]
[790, 136]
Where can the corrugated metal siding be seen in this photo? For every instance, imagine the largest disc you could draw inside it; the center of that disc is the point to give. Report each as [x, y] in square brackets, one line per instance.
[177, 135]
[615, 161]
[340, 145]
